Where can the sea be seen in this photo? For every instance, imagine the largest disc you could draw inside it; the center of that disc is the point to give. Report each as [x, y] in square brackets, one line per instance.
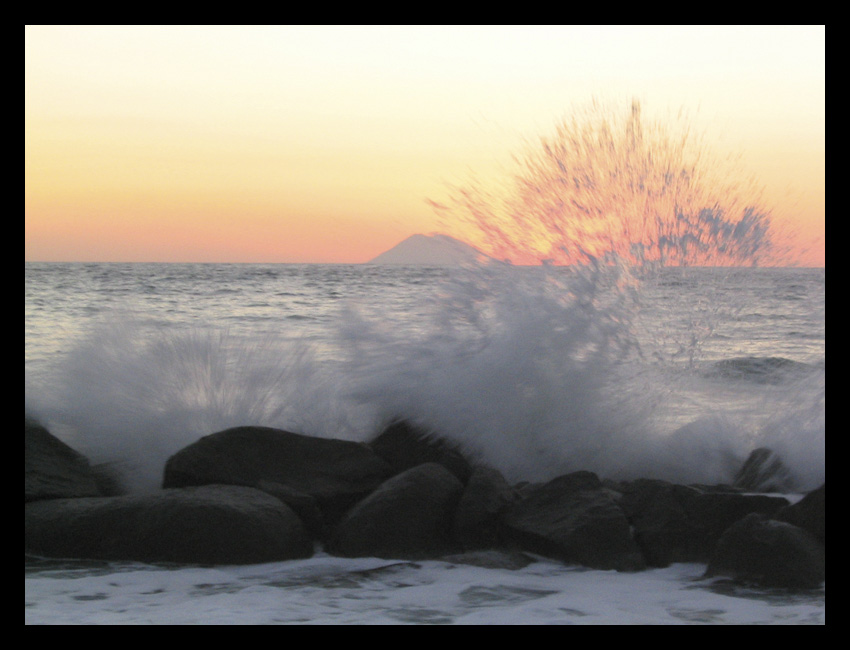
[675, 373]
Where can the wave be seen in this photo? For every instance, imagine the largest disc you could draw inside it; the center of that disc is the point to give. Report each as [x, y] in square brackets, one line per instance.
[535, 370]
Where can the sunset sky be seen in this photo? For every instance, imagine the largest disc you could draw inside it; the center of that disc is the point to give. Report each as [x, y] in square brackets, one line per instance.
[324, 144]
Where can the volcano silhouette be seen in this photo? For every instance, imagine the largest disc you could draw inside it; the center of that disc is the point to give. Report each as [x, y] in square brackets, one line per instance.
[430, 250]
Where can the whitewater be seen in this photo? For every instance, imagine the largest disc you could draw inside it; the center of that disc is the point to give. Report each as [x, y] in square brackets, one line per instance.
[675, 374]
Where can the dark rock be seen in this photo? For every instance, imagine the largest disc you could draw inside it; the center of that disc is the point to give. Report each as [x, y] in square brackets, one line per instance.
[110, 478]
[525, 488]
[717, 488]
[304, 505]
[476, 521]
[215, 524]
[336, 473]
[769, 553]
[657, 511]
[408, 516]
[575, 519]
[404, 445]
[809, 513]
[52, 469]
[764, 471]
[682, 523]
[492, 559]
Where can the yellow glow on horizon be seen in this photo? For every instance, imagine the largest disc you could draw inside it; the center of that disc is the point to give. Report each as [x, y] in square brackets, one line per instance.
[278, 144]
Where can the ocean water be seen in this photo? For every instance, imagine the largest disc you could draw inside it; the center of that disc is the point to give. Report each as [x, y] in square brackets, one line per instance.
[674, 373]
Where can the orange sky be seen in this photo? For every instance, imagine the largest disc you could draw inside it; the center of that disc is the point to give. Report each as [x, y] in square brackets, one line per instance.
[322, 144]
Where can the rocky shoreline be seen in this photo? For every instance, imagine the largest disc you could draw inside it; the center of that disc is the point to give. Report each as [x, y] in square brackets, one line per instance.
[254, 494]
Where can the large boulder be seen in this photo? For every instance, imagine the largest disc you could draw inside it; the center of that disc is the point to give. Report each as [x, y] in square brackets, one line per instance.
[404, 445]
[303, 505]
[215, 524]
[682, 523]
[575, 519]
[769, 553]
[809, 513]
[336, 473]
[52, 469]
[409, 516]
[477, 523]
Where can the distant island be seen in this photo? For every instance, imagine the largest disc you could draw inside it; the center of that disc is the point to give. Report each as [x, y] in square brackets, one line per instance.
[430, 250]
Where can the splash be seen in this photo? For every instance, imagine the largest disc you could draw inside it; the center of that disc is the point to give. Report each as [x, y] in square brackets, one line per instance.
[515, 365]
[537, 370]
[129, 395]
[609, 184]
[611, 195]
[544, 370]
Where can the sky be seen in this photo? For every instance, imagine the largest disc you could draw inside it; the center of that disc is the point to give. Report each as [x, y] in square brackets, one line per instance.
[328, 143]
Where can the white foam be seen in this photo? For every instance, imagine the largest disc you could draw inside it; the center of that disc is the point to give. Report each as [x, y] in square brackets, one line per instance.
[332, 591]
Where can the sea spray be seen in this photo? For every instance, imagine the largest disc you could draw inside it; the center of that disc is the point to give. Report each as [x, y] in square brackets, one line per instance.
[612, 182]
[518, 366]
[545, 370]
[534, 370]
[131, 395]
[796, 428]
[537, 370]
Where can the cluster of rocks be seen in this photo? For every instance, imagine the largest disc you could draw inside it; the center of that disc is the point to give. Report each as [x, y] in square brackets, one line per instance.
[255, 494]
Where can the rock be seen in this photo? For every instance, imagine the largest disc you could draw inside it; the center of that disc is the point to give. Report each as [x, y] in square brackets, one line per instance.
[110, 478]
[764, 471]
[682, 523]
[476, 521]
[336, 473]
[575, 519]
[769, 553]
[657, 511]
[404, 445]
[491, 559]
[408, 516]
[52, 469]
[304, 505]
[215, 524]
[809, 513]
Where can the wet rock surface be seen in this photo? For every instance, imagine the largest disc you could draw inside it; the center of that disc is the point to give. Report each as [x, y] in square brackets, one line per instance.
[254, 494]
